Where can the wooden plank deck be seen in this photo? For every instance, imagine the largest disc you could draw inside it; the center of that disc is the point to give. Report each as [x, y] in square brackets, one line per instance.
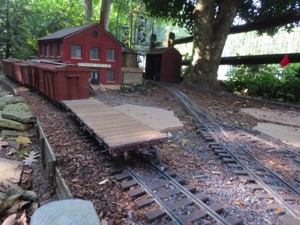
[119, 132]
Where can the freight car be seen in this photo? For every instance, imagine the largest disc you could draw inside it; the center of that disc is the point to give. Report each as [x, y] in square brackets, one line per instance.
[118, 133]
[58, 81]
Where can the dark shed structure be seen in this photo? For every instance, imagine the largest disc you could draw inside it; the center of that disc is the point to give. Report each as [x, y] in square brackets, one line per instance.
[163, 65]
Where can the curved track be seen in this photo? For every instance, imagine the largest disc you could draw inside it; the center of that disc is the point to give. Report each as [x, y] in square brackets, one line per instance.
[241, 151]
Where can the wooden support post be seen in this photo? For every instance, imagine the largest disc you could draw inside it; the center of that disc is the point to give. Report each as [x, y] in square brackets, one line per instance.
[51, 174]
[37, 132]
[171, 39]
[152, 41]
[62, 188]
[42, 151]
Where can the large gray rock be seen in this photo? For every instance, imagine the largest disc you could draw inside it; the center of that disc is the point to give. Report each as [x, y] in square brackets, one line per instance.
[18, 112]
[10, 100]
[4, 93]
[72, 211]
[6, 123]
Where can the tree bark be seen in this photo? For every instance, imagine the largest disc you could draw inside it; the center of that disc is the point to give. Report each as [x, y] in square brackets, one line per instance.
[210, 34]
[88, 6]
[105, 11]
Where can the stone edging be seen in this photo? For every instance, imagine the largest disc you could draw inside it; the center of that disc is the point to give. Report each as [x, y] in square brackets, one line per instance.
[55, 180]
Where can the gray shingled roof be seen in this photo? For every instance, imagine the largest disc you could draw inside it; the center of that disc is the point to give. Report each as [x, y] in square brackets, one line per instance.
[68, 31]
[64, 32]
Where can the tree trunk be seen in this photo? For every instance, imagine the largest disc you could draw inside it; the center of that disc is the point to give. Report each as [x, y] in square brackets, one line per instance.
[88, 6]
[210, 34]
[7, 25]
[105, 11]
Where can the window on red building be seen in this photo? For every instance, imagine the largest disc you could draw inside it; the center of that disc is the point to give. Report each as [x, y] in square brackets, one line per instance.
[94, 53]
[52, 50]
[76, 51]
[41, 49]
[110, 54]
[47, 50]
[110, 75]
[59, 49]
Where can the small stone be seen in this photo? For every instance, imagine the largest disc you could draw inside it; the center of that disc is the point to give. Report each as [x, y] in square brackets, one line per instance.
[170, 135]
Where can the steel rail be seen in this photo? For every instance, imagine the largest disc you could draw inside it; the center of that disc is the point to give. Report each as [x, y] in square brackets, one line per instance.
[197, 201]
[265, 141]
[192, 111]
[294, 189]
[156, 198]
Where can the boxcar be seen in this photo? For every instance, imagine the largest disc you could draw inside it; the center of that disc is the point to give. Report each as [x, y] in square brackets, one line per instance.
[8, 67]
[62, 82]
[56, 80]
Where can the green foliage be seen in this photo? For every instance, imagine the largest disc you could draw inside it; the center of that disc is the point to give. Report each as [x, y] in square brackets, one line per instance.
[22, 22]
[268, 81]
[180, 11]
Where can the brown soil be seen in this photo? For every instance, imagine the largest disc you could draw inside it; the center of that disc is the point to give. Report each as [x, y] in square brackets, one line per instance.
[83, 171]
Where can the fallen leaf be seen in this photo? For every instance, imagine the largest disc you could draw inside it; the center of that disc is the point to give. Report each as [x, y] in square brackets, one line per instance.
[237, 202]
[28, 182]
[104, 222]
[28, 171]
[216, 172]
[103, 182]
[11, 220]
[8, 200]
[23, 140]
[11, 152]
[13, 180]
[184, 141]
[279, 211]
[3, 188]
[30, 158]
[18, 205]
[3, 143]
[75, 180]
[23, 219]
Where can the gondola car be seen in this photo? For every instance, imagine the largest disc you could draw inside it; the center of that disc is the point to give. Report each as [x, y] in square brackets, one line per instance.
[58, 81]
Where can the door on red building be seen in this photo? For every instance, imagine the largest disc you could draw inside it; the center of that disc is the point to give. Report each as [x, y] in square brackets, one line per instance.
[94, 79]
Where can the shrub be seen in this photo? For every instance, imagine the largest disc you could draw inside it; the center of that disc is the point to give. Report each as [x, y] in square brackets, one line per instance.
[269, 81]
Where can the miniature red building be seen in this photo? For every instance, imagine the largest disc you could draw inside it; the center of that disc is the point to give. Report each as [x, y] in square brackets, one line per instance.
[86, 46]
[163, 65]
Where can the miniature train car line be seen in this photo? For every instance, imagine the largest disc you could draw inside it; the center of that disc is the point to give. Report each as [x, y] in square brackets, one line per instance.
[119, 133]
[58, 81]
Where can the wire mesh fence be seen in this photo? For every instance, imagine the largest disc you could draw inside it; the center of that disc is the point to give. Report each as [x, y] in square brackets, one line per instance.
[251, 44]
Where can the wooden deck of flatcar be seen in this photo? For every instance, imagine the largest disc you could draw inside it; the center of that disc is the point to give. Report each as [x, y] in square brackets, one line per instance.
[118, 132]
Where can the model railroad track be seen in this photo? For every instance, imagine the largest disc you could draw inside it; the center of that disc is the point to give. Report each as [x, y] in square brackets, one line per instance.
[177, 202]
[258, 136]
[265, 183]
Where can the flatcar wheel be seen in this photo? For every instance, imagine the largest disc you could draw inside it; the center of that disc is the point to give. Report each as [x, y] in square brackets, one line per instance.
[109, 156]
[126, 156]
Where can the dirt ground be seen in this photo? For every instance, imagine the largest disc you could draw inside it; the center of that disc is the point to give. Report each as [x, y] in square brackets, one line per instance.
[283, 125]
[57, 124]
[275, 120]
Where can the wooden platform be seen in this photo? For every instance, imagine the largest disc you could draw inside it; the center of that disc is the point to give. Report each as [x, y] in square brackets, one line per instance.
[118, 132]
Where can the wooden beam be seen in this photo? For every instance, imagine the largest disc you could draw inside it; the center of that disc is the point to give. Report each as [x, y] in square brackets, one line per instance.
[273, 22]
[254, 59]
[259, 59]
